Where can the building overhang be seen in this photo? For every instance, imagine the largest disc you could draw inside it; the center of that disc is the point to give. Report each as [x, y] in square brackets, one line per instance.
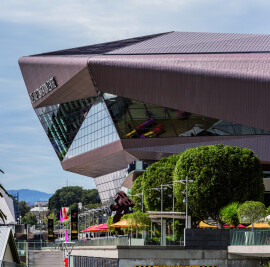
[73, 80]
[99, 161]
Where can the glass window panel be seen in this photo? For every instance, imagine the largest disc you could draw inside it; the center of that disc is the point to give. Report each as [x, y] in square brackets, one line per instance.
[133, 119]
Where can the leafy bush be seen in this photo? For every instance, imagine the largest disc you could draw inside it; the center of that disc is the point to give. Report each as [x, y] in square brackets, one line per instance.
[29, 218]
[158, 173]
[136, 191]
[229, 215]
[251, 212]
[109, 224]
[137, 221]
[221, 174]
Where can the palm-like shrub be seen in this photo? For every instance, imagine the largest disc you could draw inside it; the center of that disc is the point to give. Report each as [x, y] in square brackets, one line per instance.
[229, 214]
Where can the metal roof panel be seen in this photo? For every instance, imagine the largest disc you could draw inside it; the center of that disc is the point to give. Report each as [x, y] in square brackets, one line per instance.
[198, 42]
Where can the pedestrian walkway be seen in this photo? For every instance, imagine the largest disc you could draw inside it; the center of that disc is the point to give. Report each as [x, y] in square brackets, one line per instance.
[45, 258]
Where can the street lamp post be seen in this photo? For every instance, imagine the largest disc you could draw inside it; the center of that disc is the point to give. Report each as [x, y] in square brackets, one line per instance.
[68, 247]
[186, 200]
[173, 206]
[162, 187]
[40, 235]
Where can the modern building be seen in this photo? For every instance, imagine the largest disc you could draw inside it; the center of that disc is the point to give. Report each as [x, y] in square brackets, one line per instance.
[105, 106]
[8, 251]
[7, 207]
[40, 212]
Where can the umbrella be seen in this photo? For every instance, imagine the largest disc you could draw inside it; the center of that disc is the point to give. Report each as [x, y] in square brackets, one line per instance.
[205, 225]
[259, 225]
[94, 229]
[89, 228]
[102, 227]
[122, 223]
[231, 226]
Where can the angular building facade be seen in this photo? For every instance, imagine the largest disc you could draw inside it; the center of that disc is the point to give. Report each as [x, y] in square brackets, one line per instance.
[104, 106]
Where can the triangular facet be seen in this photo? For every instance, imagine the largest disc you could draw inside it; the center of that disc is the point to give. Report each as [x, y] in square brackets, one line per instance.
[97, 130]
[61, 122]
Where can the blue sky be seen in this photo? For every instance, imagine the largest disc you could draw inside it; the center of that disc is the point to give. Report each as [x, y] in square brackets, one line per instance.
[29, 27]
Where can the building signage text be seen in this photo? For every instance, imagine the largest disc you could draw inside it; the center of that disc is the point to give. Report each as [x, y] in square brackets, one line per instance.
[43, 90]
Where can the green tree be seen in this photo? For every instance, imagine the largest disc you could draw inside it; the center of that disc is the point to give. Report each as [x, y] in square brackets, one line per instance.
[136, 193]
[137, 220]
[71, 195]
[73, 206]
[3, 217]
[90, 196]
[64, 197]
[221, 175]
[110, 223]
[158, 173]
[24, 208]
[251, 212]
[29, 218]
[229, 215]
[51, 216]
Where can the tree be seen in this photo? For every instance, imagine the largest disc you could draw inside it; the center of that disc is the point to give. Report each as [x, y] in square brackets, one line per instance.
[73, 206]
[69, 195]
[90, 196]
[251, 212]
[159, 173]
[221, 175]
[137, 220]
[136, 193]
[51, 216]
[3, 217]
[24, 208]
[110, 223]
[29, 218]
[229, 215]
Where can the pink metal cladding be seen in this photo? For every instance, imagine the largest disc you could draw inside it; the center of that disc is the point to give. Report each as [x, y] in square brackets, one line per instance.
[198, 42]
[231, 87]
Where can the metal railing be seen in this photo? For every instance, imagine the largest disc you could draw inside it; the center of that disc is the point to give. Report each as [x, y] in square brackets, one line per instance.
[250, 237]
[23, 246]
[104, 241]
[128, 240]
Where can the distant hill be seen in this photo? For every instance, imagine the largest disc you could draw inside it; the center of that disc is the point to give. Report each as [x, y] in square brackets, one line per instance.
[30, 196]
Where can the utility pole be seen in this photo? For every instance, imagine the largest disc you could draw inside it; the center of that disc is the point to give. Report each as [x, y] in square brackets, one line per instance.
[186, 199]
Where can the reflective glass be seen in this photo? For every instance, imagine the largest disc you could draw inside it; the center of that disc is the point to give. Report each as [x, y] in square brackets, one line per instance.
[61, 122]
[135, 119]
[108, 185]
[96, 130]
[78, 126]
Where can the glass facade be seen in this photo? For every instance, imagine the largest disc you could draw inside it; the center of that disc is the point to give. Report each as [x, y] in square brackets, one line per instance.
[96, 130]
[78, 126]
[135, 119]
[61, 122]
[108, 185]
[82, 125]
